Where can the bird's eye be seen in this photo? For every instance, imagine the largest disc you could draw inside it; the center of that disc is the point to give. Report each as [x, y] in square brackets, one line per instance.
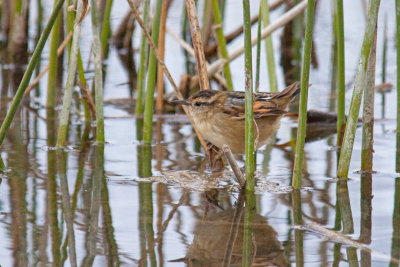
[198, 104]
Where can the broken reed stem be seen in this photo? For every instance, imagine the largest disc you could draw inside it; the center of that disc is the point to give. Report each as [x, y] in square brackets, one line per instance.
[139, 109]
[222, 43]
[53, 62]
[165, 69]
[269, 48]
[64, 117]
[151, 79]
[29, 70]
[235, 168]
[352, 119]
[249, 122]
[198, 45]
[281, 21]
[398, 85]
[305, 75]
[161, 49]
[105, 28]
[340, 69]
[368, 112]
[98, 72]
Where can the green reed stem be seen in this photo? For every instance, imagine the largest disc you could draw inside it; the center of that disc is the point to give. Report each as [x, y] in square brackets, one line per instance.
[384, 48]
[269, 48]
[222, 43]
[139, 109]
[257, 81]
[106, 29]
[340, 68]
[29, 70]
[98, 73]
[398, 85]
[298, 26]
[81, 72]
[64, 118]
[351, 125]
[250, 159]
[248, 244]
[368, 113]
[2, 165]
[151, 79]
[53, 62]
[305, 75]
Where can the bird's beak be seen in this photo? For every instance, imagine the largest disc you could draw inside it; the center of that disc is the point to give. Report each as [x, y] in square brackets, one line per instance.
[182, 102]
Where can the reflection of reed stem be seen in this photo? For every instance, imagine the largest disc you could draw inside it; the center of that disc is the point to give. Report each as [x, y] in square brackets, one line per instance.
[237, 216]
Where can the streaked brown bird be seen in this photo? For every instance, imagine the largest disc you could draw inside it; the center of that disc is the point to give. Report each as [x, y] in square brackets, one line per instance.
[220, 115]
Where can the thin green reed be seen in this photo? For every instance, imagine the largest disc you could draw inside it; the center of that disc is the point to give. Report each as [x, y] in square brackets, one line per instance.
[395, 247]
[351, 125]
[151, 79]
[29, 70]
[106, 29]
[398, 85]
[98, 73]
[53, 62]
[142, 65]
[269, 48]
[305, 75]
[67, 99]
[257, 79]
[250, 159]
[340, 67]
[39, 27]
[222, 43]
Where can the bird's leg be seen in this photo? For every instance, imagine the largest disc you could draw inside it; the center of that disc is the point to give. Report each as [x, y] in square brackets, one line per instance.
[215, 157]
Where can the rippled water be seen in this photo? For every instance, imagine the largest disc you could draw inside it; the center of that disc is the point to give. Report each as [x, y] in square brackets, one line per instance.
[90, 206]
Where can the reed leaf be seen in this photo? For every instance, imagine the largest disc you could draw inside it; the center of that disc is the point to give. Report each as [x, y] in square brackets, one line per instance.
[29, 70]
[305, 75]
[351, 125]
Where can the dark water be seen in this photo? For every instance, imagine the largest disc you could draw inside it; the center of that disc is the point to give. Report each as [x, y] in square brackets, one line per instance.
[89, 206]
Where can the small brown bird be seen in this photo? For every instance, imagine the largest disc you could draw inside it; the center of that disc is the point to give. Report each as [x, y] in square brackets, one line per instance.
[220, 116]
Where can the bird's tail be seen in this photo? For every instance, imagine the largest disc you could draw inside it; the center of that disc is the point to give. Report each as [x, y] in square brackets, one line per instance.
[284, 97]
